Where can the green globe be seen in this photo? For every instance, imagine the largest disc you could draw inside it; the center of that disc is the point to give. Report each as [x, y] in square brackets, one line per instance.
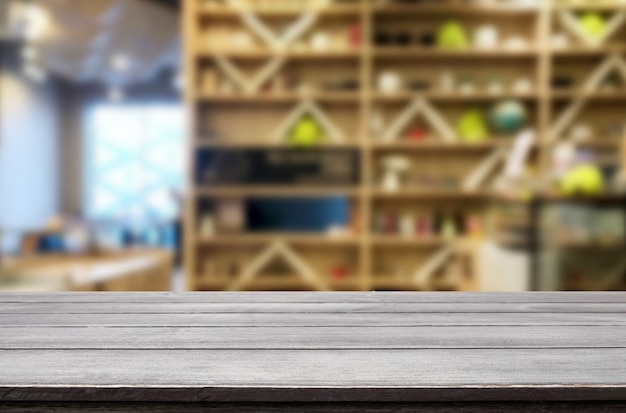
[508, 116]
[452, 36]
[472, 127]
[583, 180]
[306, 133]
[593, 24]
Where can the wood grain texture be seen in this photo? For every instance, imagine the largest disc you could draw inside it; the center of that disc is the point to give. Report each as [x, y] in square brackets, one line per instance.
[313, 319]
[310, 368]
[296, 348]
[320, 338]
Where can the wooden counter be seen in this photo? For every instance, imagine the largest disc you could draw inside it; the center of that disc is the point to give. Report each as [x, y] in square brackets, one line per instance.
[125, 270]
[313, 352]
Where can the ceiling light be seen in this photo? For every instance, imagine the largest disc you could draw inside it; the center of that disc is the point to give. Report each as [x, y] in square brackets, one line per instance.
[120, 63]
[116, 94]
[34, 72]
[36, 21]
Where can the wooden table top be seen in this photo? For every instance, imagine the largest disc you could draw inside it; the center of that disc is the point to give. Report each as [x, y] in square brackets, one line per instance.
[312, 347]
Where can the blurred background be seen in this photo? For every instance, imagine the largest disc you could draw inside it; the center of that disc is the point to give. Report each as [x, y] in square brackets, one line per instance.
[345, 145]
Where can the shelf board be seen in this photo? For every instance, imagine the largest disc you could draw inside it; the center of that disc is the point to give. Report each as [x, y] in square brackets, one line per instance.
[598, 6]
[597, 244]
[269, 97]
[389, 282]
[354, 97]
[581, 51]
[205, 144]
[276, 284]
[408, 193]
[601, 144]
[565, 95]
[458, 9]
[276, 191]
[254, 55]
[407, 53]
[557, 198]
[452, 97]
[414, 242]
[393, 283]
[337, 10]
[267, 238]
[435, 146]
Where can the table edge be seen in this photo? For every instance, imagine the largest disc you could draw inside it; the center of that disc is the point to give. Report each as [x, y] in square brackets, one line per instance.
[548, 393]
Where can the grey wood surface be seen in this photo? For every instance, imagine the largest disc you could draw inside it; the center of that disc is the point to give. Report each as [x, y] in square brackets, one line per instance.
[314, 347]
[314, 319]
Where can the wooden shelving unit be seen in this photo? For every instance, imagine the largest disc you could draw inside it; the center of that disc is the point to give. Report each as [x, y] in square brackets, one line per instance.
[235, 119]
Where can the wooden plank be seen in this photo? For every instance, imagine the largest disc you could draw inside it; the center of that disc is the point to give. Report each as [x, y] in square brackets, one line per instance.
[313, 368]
[475, 407]
[313, 319]
[295, 308]
[330, 297]
[363, 338]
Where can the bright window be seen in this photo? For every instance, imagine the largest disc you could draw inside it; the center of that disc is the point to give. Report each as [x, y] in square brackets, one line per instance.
[134, 162]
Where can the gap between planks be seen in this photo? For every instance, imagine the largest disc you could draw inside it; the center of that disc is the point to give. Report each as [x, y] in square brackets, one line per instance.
[302, 308]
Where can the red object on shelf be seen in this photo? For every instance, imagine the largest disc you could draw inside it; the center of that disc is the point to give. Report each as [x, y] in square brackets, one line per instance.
[355, 35]
[424, 227]
[417, 134]
[390, 224]
[340, 272]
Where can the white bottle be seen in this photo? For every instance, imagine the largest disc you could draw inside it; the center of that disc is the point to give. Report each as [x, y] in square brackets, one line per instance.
[407, 225]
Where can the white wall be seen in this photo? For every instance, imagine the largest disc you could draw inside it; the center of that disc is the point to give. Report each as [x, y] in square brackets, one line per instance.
[29, 144]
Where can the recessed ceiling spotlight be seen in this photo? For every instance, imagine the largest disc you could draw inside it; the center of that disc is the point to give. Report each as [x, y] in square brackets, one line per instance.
[34, 72]
[120, 62]
[116, 94]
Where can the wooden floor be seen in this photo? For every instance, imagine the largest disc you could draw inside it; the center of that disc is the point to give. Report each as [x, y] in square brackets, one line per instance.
[305, 352]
